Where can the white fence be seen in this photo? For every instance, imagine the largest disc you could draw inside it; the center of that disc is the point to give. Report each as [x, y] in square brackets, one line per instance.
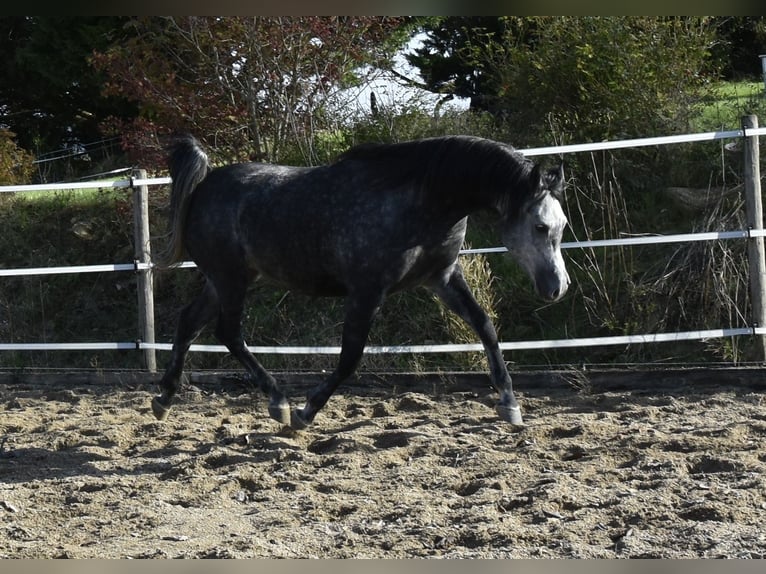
[754, 234]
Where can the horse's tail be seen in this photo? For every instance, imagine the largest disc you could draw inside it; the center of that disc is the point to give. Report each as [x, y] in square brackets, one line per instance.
[189, 165]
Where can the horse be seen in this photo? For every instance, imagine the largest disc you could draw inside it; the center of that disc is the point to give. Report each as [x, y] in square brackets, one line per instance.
[379, 219]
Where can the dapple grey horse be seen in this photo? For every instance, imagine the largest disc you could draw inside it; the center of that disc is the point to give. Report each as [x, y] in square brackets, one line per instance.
[382, 218]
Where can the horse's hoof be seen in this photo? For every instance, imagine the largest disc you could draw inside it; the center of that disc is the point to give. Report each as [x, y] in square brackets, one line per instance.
[160, 411]
[509, 414]
[297, 422]
[280, 412]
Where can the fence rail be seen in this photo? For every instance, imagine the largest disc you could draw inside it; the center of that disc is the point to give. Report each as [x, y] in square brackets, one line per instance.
[675, 337]
[755, 233]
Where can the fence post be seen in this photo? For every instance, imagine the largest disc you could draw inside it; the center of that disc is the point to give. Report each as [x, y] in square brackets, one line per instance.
[756, 253]
[143, 254]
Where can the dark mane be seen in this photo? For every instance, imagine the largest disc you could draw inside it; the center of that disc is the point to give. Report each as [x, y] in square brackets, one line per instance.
[450, 165]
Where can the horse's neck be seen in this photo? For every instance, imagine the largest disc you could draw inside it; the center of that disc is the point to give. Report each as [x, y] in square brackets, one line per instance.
[462, 193]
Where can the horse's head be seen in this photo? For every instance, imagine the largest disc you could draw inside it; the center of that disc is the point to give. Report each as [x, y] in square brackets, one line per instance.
[532, 235]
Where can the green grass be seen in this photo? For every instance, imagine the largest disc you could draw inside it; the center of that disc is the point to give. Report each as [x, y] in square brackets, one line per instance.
[729, 101]
[76, 196]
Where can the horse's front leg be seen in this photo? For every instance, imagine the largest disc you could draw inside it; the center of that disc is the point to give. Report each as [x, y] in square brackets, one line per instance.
[454, 292]
[360, 312]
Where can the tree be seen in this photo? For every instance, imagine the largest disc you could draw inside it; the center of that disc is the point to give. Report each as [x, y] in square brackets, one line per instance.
[741, 39]
[451, 60]
[591, 77]
[49, 94]
[248, 85]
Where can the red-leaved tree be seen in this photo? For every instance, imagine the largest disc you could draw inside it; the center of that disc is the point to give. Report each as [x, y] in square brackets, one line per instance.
[248, 86]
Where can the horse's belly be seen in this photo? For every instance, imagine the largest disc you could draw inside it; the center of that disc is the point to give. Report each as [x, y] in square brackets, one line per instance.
[332, 262]
[306, 278]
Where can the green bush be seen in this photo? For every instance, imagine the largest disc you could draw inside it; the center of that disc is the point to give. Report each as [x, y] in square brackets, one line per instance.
[16, 165]
[593, 78]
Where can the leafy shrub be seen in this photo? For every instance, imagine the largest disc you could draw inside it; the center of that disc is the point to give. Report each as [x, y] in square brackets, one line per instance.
[16, 165]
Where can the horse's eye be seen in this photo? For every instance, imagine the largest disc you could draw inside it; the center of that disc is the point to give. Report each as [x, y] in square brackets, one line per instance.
[541, 228]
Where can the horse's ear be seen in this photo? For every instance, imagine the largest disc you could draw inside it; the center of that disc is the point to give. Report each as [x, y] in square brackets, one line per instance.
[554, 180]
[535, 177]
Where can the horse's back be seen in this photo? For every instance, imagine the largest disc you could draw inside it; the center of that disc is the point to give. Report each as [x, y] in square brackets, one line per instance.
[265, 220]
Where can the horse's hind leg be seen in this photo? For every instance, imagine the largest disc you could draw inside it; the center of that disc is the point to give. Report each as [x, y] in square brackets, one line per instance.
[456, 295]
[229, 332]
[192, 320]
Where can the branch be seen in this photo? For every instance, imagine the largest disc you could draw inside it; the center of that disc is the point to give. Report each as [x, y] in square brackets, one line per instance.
[409, 81]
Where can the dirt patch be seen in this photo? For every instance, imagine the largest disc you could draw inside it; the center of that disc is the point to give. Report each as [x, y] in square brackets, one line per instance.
[386, 471]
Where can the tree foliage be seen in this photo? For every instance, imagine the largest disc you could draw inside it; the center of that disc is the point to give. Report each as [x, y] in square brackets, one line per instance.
[450, 57]
[741, 39]
[249, 85]
[50, 96]
[588, 77]
[259, 87]
[15, 163]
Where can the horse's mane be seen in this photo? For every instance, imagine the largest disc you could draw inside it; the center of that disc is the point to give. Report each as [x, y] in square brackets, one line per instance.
[448, 165]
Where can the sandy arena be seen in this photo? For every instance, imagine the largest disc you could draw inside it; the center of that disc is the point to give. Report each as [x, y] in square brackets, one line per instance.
[422, 467]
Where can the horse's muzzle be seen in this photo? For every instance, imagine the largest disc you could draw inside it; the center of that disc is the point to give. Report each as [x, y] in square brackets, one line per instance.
[552, 287]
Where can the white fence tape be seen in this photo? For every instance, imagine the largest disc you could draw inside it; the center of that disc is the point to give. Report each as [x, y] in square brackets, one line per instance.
[477, 347]
[72, 269]
[643, 142]
[117, 183]
[137, 266]
[409, 349]
[67, 346]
